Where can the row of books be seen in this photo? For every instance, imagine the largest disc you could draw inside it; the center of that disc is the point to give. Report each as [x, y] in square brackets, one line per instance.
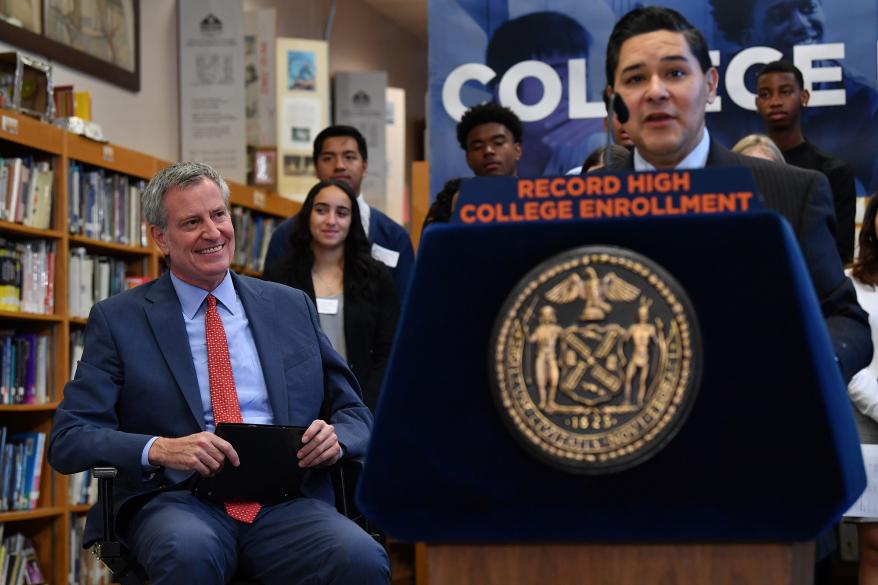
[105, 206]
[18, 561]
[21, 465]
[252, 233]
[93, 278]
[27, 190]
[27, 276]
[85, 568]
[24, 367]
[82, 488]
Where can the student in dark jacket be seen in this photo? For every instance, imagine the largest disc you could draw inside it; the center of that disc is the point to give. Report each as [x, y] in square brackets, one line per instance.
[356, 299]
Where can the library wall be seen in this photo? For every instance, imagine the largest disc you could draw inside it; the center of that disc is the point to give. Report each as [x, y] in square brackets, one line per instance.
[362, 39]
[154, 128]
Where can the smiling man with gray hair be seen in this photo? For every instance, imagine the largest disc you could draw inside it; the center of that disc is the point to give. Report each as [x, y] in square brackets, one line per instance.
[166, 362]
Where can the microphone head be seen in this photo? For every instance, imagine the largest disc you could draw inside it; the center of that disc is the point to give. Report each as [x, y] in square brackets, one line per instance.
[620, 108]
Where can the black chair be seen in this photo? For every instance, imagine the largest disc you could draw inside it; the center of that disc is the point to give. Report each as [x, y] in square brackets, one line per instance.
[124, 567]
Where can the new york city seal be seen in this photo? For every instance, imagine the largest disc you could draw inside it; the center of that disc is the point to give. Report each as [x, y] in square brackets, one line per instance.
[596, 359]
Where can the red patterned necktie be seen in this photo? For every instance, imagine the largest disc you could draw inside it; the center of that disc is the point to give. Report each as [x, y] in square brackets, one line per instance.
[223, 397]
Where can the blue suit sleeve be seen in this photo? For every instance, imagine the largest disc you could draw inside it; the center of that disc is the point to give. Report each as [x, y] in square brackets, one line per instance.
[85, 433]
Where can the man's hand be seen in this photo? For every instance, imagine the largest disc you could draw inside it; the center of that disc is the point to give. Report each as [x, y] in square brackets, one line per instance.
[321, 446]
[202, 452]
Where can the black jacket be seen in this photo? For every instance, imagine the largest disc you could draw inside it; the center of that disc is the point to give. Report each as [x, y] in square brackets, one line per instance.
[371, 311]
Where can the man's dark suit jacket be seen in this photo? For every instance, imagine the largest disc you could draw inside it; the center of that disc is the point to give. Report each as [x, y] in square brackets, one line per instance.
[137, 380]
[803, 197]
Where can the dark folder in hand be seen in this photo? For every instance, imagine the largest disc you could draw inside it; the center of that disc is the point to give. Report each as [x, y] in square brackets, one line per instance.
[269, 470]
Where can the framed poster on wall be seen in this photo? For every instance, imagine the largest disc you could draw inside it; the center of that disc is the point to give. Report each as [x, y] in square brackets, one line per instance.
[302, 111]
[94, 36]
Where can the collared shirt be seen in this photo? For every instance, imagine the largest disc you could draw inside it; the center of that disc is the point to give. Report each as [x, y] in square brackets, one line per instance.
[246, 368]
[365, 212]
[697, 159]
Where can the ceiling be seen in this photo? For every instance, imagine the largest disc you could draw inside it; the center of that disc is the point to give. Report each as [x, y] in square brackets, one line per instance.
[410, 15]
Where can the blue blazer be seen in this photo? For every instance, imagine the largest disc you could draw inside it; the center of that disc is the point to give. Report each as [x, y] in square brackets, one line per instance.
[382, 231]
[136, 380]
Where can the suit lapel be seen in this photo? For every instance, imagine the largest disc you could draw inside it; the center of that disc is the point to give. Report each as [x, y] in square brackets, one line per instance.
[718, 156]
[261, 313]
[165, 317]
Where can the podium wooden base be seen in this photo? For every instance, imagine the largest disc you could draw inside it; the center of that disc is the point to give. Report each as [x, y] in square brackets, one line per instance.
[621, 564]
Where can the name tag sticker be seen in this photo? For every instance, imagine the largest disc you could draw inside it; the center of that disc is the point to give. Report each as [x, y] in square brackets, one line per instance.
[385, 255]
[327, 306]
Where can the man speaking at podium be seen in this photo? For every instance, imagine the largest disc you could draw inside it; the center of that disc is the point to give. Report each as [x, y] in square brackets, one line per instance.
[166, 361]
[658, 64]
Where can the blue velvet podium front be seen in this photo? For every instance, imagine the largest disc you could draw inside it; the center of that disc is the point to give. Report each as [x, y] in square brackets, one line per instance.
[769, 452]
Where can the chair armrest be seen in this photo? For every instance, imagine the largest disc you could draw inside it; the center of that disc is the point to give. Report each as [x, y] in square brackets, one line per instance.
[108, 549]
[106, 476]
[345, 475]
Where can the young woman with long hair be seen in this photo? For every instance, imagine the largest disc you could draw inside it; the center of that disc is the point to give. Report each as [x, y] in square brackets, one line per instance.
[330, 259]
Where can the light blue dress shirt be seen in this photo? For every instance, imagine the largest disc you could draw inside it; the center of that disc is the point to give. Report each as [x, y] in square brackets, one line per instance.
[246, 368]
[697, 159]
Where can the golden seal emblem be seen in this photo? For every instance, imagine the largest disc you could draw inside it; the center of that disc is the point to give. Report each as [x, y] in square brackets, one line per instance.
[596, 359]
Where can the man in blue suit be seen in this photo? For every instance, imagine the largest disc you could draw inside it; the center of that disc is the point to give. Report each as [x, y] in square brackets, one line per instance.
[143, 398]
[340, 153]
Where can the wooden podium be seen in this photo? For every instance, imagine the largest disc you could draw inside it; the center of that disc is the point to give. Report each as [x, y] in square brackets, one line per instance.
[620, 564]
[767, 459]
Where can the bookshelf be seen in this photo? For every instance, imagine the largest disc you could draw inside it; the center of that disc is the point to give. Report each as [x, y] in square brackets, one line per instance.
[49, 524]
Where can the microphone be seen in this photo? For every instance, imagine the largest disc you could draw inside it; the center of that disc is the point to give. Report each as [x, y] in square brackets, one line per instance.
[620, 108]
[615, 107]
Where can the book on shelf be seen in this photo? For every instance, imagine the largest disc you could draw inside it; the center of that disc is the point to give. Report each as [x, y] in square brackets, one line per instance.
[63, 97]
[91, 279]
[105, 206]
[15, 166]
[135, 281]
[27, 271]
[19, 193]
[85, 568]
[37, 272]
[24, 368]
[10, 277]
[27, 190]
[8, 468]
[252, 234]
[82, 488]
[18, 561]
[22, 466]
[38, 207]
[74, 201]
[4, 185]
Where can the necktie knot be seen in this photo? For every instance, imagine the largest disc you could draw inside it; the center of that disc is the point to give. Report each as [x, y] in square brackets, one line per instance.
[211, 302]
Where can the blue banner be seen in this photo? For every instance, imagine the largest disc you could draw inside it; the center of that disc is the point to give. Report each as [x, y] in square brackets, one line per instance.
[545, 60]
